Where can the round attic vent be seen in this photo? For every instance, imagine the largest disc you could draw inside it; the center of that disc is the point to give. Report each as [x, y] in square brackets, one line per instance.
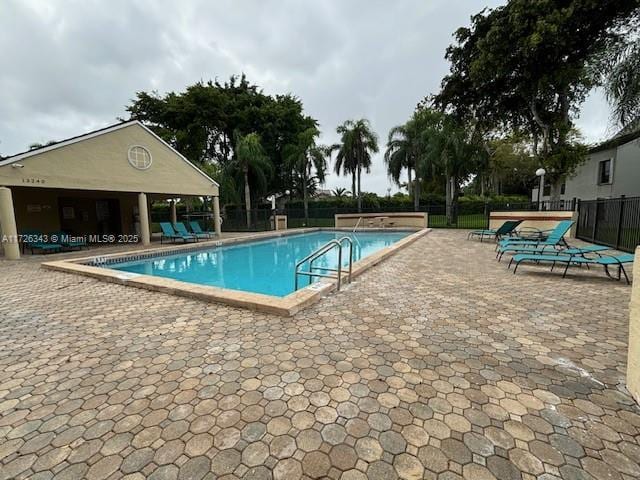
[139, 157]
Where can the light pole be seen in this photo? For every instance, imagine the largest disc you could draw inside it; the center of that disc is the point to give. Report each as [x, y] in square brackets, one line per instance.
[274, 210]
[540, 173]
[274, 197]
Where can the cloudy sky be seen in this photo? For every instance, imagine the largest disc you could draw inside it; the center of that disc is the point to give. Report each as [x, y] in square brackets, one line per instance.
[71, 66]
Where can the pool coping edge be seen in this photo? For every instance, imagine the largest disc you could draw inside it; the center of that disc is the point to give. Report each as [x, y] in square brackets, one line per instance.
[286, 306]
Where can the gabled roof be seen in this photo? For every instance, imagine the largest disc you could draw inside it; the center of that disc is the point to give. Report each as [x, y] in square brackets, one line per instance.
[625, 135]
[95, 133]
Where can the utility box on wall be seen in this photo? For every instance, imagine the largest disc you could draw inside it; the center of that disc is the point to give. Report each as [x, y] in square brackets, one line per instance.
[280, 222]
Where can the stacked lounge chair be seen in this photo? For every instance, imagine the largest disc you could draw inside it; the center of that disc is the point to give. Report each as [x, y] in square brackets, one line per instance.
[195, 228]
[551, 247]
[68, 241]
[182, 230]
[169, 233]
[567, 260]
[506, 229]
[36, 240]
[554, 239]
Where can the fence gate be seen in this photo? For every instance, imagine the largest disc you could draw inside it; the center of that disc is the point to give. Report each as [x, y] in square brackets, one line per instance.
[612, 222]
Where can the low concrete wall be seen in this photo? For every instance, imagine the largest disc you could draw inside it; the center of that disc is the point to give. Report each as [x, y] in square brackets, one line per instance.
[543, 220]
[393, 220]
[633, 356]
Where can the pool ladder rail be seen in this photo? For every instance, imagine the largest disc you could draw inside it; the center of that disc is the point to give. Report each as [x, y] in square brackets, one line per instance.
[357, 224]
[324, 272]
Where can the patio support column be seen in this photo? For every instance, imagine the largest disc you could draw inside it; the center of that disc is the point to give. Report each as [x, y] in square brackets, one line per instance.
[8, 223]
[173, 212]
[216, 215]
[143, 210]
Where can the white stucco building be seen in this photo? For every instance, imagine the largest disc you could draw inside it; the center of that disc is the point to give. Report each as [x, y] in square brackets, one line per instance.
[612, 170]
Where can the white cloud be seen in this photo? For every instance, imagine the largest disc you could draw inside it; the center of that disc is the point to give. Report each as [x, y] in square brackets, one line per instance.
[72, 66]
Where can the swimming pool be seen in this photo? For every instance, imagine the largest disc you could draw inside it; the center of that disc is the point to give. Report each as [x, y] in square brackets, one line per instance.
[259, 266]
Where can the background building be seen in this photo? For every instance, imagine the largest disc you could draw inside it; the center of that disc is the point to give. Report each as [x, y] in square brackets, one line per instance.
[611, 170]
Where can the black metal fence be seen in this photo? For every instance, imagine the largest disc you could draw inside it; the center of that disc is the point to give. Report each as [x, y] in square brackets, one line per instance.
[612, 222]
[236, 220]
[465, 215]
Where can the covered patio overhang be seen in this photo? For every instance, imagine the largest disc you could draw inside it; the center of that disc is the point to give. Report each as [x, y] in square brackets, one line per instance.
[99, 183]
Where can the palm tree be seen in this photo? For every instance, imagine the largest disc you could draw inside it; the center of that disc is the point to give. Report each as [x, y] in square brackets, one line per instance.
[303, 158]
[622, 85]
[251, 160]
[453, 152]
[340, 192]
[403, 151]
[357, 143]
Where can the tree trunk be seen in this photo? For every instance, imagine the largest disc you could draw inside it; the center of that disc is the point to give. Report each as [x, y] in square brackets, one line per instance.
[354, 193]
[416, 195]
[454, 200]
[359, 191]
[556, 188]
[449, 201]
[247, 196]
[543, 126]
[409, 186]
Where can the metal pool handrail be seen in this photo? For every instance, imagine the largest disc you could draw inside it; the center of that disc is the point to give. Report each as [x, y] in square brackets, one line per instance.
[357, 223]
[350, 253]
[320, 252]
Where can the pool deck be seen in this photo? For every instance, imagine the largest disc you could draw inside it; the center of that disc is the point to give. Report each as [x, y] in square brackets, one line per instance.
[438, 363]
[286, 306]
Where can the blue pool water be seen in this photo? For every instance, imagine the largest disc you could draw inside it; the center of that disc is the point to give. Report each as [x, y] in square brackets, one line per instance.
[264, 266]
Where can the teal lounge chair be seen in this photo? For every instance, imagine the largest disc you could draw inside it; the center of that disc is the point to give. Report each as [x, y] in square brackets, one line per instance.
[555, 238]
[195, 228]
[605, 260]
[36, 240]
[68, 241]
[169, 233]
[507, 228]
[550, 250]
[182, 230]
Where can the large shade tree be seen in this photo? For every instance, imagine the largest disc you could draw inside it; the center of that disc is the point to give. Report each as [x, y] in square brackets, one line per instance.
[357, 143]
[527, 66]
[308, 162]
[510, 167]
[201, 122]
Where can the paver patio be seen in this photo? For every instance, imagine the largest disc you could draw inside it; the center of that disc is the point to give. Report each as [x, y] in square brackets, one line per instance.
[438, 363]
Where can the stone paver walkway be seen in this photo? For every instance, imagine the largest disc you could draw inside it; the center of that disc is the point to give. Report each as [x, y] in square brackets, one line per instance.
[438, 363]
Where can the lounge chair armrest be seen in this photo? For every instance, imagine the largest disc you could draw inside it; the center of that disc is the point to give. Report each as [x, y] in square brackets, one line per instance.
[617, 260]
